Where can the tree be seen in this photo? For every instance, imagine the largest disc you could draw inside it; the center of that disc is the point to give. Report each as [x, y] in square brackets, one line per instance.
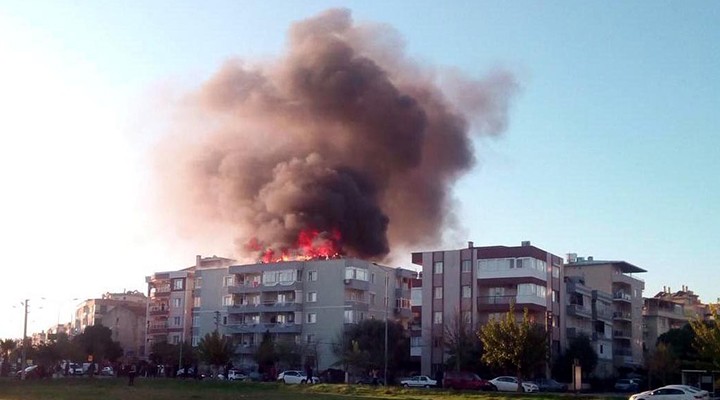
[681, 341]
[579, 348]
[362, 346]
[662, 363]
[707, 337]
[96, 341]
[265, 356]
[215, 349]
[462, 345]
[510, 345]
[289, 353]
[7, 346]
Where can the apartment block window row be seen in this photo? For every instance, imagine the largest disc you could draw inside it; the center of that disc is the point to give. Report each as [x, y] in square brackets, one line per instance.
[360, 274]
[282, 277]
[531, 289]
[502, 264]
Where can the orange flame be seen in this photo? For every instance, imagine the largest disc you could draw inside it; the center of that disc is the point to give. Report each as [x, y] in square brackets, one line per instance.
[311, 244]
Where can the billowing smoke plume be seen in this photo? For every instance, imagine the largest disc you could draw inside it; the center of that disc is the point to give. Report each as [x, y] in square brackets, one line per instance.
[343, 137]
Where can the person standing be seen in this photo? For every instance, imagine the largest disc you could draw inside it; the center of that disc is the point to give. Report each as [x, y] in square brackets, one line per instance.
[131, 375]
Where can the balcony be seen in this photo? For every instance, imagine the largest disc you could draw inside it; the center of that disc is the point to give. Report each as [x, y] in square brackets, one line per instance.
[266, 306]
[603, 314]
[579, 311]
[502, 303]
[356, 284]
[622, 297]
[622, 334]
[261, 327]
[403, 312]
[155, 311]
[622, 316]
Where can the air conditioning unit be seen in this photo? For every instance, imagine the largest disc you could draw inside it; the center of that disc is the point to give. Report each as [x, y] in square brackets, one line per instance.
[347, 281]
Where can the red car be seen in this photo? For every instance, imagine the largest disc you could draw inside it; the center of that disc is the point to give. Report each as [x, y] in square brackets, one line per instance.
[465, 380]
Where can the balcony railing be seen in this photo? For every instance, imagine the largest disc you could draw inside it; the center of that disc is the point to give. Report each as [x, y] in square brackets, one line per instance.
[622, 334]
[622, 296]
[622, 315]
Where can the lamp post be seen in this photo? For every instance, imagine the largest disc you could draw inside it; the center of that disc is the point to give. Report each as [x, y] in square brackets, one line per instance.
[24, 344]
[387, 301]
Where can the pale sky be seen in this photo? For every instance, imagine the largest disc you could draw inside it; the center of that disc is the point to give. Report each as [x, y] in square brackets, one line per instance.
[612, 148]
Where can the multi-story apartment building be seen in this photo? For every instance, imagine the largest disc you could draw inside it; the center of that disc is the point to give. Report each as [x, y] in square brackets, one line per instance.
[616, 277]
[169, 305]
[123, 313]
[481, 283]
[310, 302]
[590, 312]
[210, 290]
[668, 310]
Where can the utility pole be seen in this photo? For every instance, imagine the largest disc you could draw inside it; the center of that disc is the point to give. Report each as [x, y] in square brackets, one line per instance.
[24, 345]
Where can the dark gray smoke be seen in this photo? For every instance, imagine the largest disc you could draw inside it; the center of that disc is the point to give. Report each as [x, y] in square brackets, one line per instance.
[342, 134]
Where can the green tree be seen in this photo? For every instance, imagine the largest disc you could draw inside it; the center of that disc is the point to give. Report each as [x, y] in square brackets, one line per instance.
[579, 348]
[462, 345]
[362, 346]
[96, 341]
[662, 363]
[289, 353]
[215, 349]
[681, 342]
[6, 346]
[707, 337]
[512, 345]
[163, 353]
[266, 356]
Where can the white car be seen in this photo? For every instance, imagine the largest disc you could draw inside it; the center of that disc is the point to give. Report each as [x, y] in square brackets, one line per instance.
[235, 375]
[672, 392]
[418, 381]
[510, 384]
[295, 377]
[704, 393]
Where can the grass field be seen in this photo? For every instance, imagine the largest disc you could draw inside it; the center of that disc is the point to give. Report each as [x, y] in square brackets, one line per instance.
[161, 389]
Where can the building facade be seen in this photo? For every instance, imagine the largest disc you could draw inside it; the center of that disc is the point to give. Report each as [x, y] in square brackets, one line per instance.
[309, 303]
[616, 277]
[169, 307]
[668, 310]
[589, 312]
[477, 284]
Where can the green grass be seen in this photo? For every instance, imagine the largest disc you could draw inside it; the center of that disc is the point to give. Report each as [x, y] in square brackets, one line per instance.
[167, 389]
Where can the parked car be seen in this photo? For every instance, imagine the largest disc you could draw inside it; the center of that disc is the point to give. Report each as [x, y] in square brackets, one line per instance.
[107, 371]
[31, 372]
[704, 393]
[368, 380]
[672, 392]
[510, 384]
[550, 385]
[418, 381]
[185, 372]
[75, 369]
[295, 377]
[236, 375]
[627, 385]
[465, 380]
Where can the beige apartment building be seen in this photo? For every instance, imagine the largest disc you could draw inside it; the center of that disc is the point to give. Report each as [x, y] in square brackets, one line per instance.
[667, 310]
[617, 278]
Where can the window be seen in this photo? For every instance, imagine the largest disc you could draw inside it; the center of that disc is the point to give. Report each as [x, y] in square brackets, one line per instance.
[177, 303]
[466, 266]
[227, 300]
[228, 281]
[360, 274]
[602, 349]
[438, 292]
[178, 284]
[416, 296]
[497, 291]
[195, 321]
[309, 339]
[176, 321]
[415, 341]
[196, 302]
[224, 319]
[531, 289]
[198, 282]
[372, 299]
[438, 267]
[518, 263]
[466, 292]
[195, 341]
[555, 271]
[555, 296]
[349, 317]
[437, 317]
[372, 278]
[311, 297]
[175, 339]
[312, 276]
[311, 318]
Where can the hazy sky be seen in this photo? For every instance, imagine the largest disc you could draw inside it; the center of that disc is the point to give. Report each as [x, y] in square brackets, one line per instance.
[612, 148]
